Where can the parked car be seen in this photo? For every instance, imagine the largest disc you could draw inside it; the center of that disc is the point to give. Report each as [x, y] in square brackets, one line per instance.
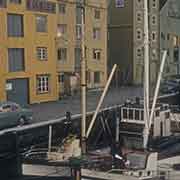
[12, 114]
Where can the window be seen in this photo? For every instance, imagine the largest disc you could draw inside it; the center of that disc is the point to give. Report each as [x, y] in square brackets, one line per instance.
[42, 53]
[153, 36]
[154, 20]
[61, 29]
[176, 54]
[62, 8]
[78, 15]
[97, 77]
[139, 17]
[15, 25]
[96, 33]
[88, 76]
[139, 52]
[139, 34]
[139, 1]
[154, 3]
[61, 78]
[62, 54]
[154, 54]
[97, 54]
[120, 3]
[41, 23]
[175, 41]
[77, 57]
[163, 36]
[15, 1]
[3, 3]
[97, 14]
[16, 59]
[78, 31]
[43, 84]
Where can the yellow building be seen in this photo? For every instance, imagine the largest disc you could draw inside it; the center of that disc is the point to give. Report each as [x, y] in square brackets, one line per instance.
[38, 45]
[68, 42]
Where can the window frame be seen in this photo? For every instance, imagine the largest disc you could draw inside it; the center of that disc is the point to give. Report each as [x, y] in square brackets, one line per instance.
[61, 8]
[97, 14]
[43, 83]
[11, 33]
[99, 77]
[45, 28]
[96, 33]
[42, 53]
[62, 52]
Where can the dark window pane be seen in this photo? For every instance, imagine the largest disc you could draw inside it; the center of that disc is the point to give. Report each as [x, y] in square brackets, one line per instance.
[130, 114]
[137, 115]
[15, 1]
[96, 77]
[15, 25]
[125, 113]
[41, 23]
[16, 59]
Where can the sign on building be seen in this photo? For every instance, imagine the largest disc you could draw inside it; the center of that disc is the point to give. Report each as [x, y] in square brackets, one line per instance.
[119, 3]
[9, 86]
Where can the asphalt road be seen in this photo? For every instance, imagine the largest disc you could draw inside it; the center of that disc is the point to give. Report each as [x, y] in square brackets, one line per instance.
[57, 109]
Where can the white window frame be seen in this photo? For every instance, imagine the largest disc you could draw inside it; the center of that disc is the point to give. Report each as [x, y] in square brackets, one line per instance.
[42, 53]
[154, 54]
[140, 53]
[139, 14]
[154, 33]
[61, 29]
[154, 3]
[96, 33]
[137, 34]
[78, 31]
[62, 8]
[97, 14]
[97, 54]
[99, 73]
[139, 2]
[63, 52]
[154, 17]
[42, 84]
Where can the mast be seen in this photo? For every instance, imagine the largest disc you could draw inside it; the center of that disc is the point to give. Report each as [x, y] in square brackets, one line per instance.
[146, 74]
[83, 81]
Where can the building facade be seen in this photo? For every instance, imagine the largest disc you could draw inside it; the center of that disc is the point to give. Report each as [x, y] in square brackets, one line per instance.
[126, 29]
[170, 36]
[69, 43]
[39, 46]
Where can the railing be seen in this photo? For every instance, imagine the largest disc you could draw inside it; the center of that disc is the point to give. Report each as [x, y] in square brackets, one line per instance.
[41, 6]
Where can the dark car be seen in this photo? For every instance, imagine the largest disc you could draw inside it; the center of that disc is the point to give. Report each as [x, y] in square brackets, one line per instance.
[12, 114]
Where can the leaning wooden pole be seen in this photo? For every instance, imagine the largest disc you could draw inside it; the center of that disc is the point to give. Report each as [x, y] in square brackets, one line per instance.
[101, 100]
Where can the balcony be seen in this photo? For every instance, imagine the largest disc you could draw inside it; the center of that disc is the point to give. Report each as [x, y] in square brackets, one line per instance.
[41, 6]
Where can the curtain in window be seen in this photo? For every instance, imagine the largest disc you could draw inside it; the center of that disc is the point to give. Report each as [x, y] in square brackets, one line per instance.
[16, 59]
[15, 25]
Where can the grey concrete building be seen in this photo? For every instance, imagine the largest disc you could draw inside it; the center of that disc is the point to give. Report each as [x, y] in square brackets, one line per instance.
[126, 38]
[170, 35]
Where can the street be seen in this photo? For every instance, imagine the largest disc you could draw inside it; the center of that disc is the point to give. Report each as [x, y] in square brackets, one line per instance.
[57, 109]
